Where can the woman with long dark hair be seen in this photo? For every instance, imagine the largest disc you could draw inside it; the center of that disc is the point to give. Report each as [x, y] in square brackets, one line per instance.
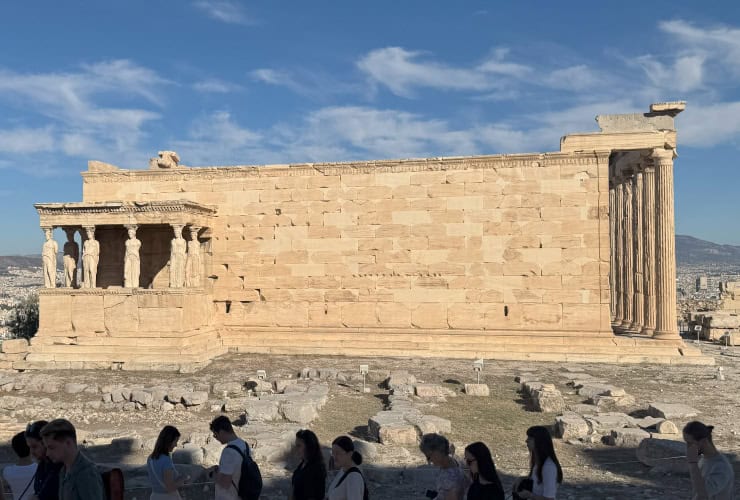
[309, 478]
[544, 468]
[162, 474]
[485, 484]
[711, 474]
[46, 480]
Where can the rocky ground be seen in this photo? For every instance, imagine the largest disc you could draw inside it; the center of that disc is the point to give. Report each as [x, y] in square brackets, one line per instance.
[603, 412]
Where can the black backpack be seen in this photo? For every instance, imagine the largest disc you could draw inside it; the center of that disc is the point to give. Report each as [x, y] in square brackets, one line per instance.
[365, 495]
[250, 481]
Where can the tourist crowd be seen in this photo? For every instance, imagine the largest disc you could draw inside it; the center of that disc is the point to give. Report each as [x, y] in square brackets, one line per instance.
[50, 466]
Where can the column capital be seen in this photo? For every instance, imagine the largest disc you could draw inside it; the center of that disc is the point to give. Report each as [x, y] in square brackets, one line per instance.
[130, 227]
[662, 155]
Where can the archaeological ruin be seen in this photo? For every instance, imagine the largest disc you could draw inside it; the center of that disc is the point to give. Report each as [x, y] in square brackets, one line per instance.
[561, 256]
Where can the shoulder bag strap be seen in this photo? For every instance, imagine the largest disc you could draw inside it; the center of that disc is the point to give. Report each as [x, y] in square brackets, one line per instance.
[29, 483]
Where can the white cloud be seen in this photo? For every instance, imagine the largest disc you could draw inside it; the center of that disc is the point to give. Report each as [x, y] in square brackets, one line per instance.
[72, 104]
[722, 42]
[226, 11]
[496, 64]
[218, 139]
[26, 140]
[706, 125]
[684, 75]
[309, 83]
[215, 86]
[575, 78]
[400, 70]
[343, 133]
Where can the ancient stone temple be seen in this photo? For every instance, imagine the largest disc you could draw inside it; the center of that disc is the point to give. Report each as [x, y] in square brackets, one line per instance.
[566, 255]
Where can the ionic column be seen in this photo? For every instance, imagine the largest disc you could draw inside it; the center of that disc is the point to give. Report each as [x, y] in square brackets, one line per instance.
[648, 231]
[628, 253]
[666, 326]
[619, 253]
[639, 300]
[612, 252]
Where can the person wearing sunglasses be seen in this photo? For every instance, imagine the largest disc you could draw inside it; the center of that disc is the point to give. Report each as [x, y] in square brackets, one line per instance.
[46, 481]
[485, 483]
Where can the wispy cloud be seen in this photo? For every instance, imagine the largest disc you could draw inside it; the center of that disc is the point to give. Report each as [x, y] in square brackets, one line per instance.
[72, 105]
[402, 70]
[26, 140]
[226, 11]
[309, 83]
[496, 78]
[216, 86]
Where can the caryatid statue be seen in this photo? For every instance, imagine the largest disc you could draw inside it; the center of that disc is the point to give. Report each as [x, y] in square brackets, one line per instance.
[49, 259]
[71, 258]
[193, 264]
[132, 261]
[178, 248]
[90, 258]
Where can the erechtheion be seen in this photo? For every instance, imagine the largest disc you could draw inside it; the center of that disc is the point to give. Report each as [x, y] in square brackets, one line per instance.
[562, 256]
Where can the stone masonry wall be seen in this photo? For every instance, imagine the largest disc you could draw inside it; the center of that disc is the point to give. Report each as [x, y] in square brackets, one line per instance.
[484, 243]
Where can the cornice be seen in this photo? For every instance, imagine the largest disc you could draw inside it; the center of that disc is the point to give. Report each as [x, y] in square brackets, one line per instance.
[349, 168]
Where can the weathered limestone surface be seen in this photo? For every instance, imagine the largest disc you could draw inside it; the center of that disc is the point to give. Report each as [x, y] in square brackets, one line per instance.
[463, 256]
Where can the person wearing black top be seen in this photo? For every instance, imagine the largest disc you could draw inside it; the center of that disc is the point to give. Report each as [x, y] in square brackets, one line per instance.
[46, 480]
[485, 484]
[309, 478]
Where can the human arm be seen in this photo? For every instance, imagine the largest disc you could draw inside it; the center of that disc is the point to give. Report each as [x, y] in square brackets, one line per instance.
[230, 462]
[171, 482]
[697, 482]
[549, 483]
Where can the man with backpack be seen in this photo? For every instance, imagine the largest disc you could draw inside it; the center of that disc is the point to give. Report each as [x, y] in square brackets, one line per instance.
[237, 475]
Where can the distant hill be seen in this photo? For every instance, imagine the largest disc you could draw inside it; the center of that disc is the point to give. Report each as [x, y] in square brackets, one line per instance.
[20, 261]
[693, 251]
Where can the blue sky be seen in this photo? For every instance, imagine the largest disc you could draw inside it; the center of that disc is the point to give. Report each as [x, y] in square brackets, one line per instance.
[228, 82]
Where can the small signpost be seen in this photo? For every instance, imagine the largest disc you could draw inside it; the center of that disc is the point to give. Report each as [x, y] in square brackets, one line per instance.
[697, 329]
[478, 367]
[363, 371]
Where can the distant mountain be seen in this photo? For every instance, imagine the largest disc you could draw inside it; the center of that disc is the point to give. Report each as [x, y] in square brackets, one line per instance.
[693, 251]
[20, 261]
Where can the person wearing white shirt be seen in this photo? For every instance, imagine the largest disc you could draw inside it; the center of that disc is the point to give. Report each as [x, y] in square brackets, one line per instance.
[229, 468]
[544, 467]
[712, 477]
[19, 477]
[349, 483]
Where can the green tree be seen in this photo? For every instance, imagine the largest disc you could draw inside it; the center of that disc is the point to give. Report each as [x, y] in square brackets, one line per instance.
[24, 320]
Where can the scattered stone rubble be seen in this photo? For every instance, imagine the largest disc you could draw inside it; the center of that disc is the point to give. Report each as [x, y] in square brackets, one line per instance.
[598, 419]
[402, 422]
